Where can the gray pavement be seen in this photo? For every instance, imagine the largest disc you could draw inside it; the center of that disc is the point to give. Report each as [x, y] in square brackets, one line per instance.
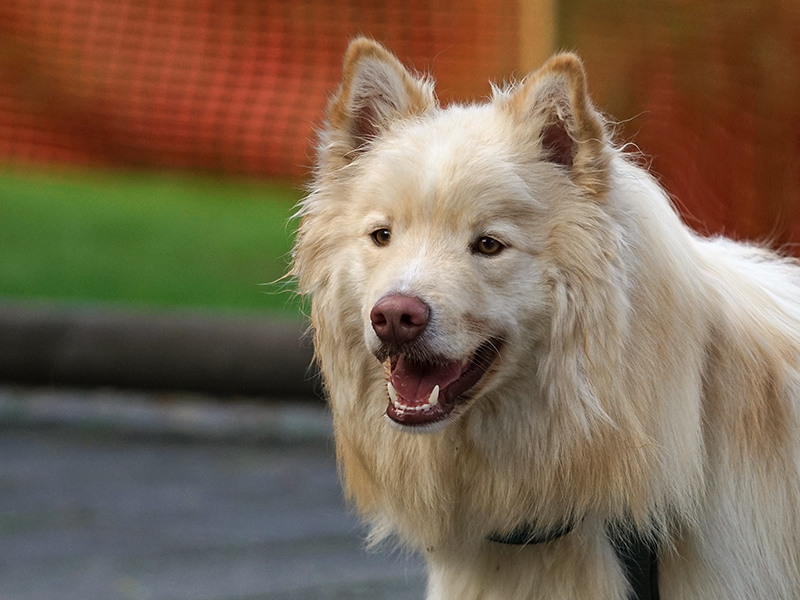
[164, 497]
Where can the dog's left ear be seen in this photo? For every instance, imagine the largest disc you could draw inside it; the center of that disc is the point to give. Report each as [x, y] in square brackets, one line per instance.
[554, 104]
[376, 90]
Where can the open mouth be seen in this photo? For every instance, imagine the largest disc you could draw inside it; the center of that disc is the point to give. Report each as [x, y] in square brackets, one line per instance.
[427, 392]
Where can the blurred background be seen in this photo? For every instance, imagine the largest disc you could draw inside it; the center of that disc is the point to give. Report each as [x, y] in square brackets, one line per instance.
[151, 151]
[162, 432]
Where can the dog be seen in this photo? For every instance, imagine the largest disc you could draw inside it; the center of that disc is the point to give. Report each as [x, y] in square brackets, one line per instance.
[530, 360]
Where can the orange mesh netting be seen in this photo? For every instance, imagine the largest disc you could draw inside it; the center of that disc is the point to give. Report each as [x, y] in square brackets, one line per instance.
[712, 91]
[238, 85]
[221, 85]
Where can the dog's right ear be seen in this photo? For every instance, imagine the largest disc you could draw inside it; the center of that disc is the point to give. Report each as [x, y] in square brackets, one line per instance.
[376, 90]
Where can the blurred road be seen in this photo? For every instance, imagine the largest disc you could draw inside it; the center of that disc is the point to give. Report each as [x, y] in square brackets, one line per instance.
[102, 513]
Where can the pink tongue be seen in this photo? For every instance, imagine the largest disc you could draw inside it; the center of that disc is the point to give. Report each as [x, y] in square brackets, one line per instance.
[415, 381]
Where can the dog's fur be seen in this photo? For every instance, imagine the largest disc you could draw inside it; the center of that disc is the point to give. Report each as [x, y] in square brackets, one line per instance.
[646, 375]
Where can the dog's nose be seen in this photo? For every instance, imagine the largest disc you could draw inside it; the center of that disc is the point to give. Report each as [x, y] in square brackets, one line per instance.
[399, 319]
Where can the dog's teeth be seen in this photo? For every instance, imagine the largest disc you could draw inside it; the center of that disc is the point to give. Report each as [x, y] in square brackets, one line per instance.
[392, 392]
[433, 400]
[464, 364]
[434, 397]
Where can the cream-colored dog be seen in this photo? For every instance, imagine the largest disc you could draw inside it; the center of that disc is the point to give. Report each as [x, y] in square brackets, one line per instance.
[517, 333]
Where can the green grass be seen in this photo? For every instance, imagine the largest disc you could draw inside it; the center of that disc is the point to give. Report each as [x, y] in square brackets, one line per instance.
[145, 239]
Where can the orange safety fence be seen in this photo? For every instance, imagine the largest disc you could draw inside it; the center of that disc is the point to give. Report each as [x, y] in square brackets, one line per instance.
[219, 85]
[709, 92]
[707, 89]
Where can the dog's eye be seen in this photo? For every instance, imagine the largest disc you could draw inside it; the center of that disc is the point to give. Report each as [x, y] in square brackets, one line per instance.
[381, 236]
[488, 246]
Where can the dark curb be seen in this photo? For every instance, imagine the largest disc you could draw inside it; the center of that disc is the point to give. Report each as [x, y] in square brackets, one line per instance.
[52, 344]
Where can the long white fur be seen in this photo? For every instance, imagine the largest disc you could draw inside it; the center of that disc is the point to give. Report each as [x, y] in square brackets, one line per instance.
[647, 374]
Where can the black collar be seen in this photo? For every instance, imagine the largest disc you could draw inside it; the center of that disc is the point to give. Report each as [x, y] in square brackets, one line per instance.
[638, 555]
[529, 533]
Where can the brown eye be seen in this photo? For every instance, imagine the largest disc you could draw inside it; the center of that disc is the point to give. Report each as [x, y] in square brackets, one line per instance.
[381, 236]
[488, 246]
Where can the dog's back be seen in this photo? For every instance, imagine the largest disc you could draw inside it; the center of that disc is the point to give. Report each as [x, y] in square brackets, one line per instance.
[744, 538]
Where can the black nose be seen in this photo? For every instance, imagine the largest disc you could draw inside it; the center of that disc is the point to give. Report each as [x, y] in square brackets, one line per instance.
[399, 319]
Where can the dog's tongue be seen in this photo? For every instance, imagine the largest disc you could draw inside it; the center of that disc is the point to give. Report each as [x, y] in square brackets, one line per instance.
[414, 381]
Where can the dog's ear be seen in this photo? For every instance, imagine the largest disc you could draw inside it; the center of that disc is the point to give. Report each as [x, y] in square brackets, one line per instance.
[554, 101]
[376, 90]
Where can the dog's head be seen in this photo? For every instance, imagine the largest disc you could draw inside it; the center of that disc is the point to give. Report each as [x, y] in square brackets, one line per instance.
[435, 241]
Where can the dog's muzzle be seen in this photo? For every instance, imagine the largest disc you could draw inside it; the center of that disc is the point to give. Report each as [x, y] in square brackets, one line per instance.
[423, 389]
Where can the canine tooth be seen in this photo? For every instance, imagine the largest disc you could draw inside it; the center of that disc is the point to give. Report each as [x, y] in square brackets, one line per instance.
[392, 392]
[434, 398]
